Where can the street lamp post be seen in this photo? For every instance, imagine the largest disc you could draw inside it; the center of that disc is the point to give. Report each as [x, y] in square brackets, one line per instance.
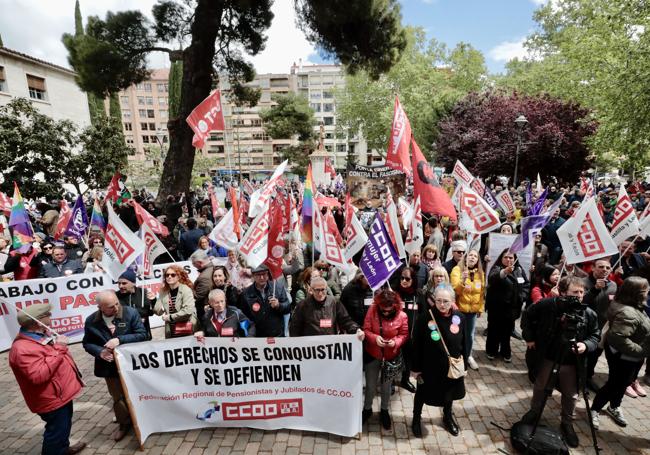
[521, 123]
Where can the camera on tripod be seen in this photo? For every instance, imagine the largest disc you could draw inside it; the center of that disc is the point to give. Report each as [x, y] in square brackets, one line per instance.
[571, 311]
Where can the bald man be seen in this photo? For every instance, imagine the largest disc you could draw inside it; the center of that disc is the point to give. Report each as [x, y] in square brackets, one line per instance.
[106, 329]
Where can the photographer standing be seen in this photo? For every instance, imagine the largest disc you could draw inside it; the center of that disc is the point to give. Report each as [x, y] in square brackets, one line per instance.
[549, 328]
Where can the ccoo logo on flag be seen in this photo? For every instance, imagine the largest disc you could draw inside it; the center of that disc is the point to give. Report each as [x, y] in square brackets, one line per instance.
[118, 243]
[589, 239]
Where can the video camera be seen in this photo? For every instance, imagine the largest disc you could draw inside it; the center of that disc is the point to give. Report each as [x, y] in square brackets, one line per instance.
[572, 313]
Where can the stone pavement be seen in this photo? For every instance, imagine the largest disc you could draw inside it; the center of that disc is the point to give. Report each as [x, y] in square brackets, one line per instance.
[498, 392]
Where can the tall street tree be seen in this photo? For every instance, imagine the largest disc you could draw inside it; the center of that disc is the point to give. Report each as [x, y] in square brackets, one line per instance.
[209, 37]
[481, 132]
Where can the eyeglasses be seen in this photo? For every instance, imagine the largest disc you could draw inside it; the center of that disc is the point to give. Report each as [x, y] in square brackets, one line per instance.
[47, 247]
[444, 302]
[457, 251]
[172, 275]
[318, 290]
[406, 278]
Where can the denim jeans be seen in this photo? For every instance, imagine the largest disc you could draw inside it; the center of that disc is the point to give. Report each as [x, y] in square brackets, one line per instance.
[470, 327]
[58, 425]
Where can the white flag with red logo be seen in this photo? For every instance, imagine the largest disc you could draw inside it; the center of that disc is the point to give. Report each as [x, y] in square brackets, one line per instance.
[585, 236]
[261, 196]
[5, 203]
[478, 186]
[392, 225]
[398, 156]
[147, 218]
[331, 250]
[461, 174]
[206, 117]
[64, 218]
[318, 229]
[121, 245]
[644, 223]
[254, 245]
[506, 202]
[356, 237]
[625, 224]
[153, 248]
[415, 231]
[224, 233]
[405, 210]
[476, 215]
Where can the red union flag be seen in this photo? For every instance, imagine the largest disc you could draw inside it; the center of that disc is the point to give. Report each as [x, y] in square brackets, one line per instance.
[276, 243]
[625, 224]
[254, 245]
[145, 217]
[461, 174]
[476, 215]
[64, 218]
[206, 117]
[397, 156]
[121, 246]
[585, 236]
[433, 197]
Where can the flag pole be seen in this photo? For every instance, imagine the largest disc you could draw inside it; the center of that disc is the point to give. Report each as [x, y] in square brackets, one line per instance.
[54, 332]
[620, 255]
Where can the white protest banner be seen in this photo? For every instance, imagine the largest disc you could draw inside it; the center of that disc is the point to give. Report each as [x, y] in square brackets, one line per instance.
[72, 298]
[499, 242]
[304, 383]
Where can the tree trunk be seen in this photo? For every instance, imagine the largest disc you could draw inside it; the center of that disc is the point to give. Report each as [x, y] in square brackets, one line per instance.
[196, 86]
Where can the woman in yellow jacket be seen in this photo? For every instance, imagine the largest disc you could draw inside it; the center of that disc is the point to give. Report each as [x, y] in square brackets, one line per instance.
[468, 280]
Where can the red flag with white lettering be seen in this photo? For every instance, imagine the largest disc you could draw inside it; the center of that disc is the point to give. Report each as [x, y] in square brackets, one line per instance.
[397, 156]
[114, 189]
[206, 117]
[276, 240]
[332, 252]
[433, 197]
[153, 248]
[64, 218]
[145, 217]
[329, 169]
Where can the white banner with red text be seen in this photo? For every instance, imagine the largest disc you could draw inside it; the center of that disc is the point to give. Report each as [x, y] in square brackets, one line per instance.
[72, 298]
[306, 383]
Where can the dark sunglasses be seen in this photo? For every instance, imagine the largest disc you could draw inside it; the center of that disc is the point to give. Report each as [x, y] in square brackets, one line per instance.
[167, 275]
[47, 247]
[406, 278]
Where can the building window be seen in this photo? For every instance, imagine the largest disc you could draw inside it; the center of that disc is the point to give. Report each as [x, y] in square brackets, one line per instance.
[328, 107]
[129, 139]
[124, 100]
[36, 86]
[327, 94]
[216, 136]
[215, 149]
[256, 122]
[315, 106]
[163, 114]
[145, 139]
[163, 127]
[328, 148]
[328, 120]
[140, 100]
[126, 114]
[163, 88]
[162, 101]
[128, 126]
[315, 95]
[154, 139]
[152, 127]
[149, 100]
[139, 86]
[142, 112]
[147, 86]
[150, 113]
[144, 126]
[340, 148]
[3, 80]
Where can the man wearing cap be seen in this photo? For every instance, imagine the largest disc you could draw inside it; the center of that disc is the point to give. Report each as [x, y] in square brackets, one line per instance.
[458, 248]
[48, 377]
[111, 325]
[61, 265]
[265, 302]
[134, 297]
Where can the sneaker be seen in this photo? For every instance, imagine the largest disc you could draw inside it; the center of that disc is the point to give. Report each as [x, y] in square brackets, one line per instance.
[570, 436]
[472, 363]
[365, 415]
[507, 359]
[595, 419]
[630, 392]
[489, 356]
[640, 391]
[617, 415]
[384, 418]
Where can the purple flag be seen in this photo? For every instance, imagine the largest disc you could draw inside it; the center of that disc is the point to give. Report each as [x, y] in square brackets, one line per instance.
[529, 198]
[539, 203]
[379, 259]
[78, 220]
[533, 223]
[490, 198]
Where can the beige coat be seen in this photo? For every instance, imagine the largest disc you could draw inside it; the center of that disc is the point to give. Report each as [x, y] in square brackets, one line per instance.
[185, 309]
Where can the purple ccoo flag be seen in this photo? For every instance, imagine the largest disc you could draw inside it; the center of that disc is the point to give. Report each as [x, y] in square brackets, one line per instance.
[539, 203]
[78, 220]
[490, 198]
[531, 223]
[379, 259]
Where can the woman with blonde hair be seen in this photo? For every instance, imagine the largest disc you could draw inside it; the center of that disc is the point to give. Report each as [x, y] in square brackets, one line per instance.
[94, 260]
[176, 303]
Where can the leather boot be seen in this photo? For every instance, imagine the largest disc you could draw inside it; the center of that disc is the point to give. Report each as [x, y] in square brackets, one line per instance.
[416, 426]
[449, 421]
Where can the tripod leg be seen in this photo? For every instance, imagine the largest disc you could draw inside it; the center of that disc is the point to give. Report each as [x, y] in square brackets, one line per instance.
[548, 391]
[582, 387]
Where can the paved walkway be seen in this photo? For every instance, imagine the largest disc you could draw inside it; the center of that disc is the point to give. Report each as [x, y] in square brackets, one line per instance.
[498, 392]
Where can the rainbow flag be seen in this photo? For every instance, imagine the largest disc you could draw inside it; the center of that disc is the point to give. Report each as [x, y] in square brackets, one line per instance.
[22, 234]
[96, 218]
[307, 209]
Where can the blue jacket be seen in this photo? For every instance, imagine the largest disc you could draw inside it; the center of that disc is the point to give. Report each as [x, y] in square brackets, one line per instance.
[269, 322]
[54, 270]
[189, 242]
[128, 329]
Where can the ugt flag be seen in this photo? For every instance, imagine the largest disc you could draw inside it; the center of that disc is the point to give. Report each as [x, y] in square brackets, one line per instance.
[78, 222]
[206, 117]
[379, 259]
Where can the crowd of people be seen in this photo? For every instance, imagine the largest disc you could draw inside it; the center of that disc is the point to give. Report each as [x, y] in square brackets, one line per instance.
[418, 330]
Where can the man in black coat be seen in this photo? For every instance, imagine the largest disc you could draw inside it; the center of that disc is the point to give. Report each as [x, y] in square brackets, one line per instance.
[105, 329]
[265, 302]
[189, 240]
[61, 265]
[357, 298]
[132, 296]
[543, 327]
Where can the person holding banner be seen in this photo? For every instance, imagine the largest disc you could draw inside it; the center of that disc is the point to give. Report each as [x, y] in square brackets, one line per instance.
[175, 303]
[48, 377]
[439, 341]
[110, 326]
[266, 302]
[132, 296]
[468, 280]
[508, 289]
[386, 330]
[223, 320]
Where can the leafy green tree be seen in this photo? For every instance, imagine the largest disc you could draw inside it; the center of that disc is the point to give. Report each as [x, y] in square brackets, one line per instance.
[291, 117]
[596, 53]
[112, 54]
[428, 79]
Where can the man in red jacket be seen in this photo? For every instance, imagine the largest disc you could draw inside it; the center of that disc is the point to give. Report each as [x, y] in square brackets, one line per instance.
[48, 377]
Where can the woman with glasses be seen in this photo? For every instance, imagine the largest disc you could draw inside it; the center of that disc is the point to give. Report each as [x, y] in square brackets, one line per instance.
[438, 325]
[332, 277]
[407, 291]
[386, 331]
[176, 303]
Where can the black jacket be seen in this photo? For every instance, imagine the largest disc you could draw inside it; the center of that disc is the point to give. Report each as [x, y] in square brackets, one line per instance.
[354, 298]
[505, 296]
[269, 322]
[327, 318]
[144, 306]
[231, 326]
[128, 329]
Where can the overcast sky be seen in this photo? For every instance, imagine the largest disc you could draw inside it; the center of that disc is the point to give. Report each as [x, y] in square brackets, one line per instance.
[496, 27]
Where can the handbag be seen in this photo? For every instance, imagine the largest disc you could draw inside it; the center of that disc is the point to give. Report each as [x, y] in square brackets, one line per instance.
[456, 364]
[390, 369]
[181, 329]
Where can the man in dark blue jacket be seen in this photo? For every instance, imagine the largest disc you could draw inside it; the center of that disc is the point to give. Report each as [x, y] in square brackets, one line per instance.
[189, 240]
[265, 302]
[107, 328]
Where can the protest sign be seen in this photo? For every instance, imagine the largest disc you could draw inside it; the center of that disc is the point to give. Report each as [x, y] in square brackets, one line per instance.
[306, 383]
[499, 242]
[368, 183]
[72, 298]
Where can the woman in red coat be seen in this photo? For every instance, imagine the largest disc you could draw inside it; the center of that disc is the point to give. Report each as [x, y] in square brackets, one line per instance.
[386, 329]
